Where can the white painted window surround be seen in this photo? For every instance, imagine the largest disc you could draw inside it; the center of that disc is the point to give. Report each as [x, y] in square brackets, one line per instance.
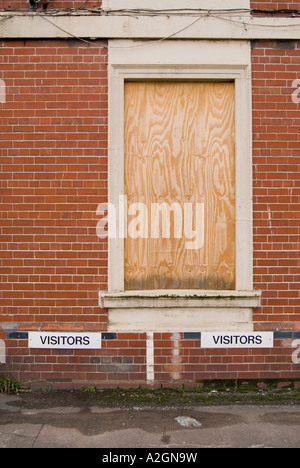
[180, 310]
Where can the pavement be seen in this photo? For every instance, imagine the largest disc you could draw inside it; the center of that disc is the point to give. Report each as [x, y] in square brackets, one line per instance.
[53, 424]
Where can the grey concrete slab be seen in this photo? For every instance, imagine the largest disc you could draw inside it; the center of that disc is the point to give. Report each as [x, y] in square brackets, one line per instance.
[19, 435]
[146, 426]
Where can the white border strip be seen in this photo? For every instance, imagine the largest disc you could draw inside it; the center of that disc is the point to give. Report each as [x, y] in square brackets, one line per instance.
[37, 26]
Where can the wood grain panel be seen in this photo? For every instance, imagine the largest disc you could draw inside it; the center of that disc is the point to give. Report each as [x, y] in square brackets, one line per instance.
[179, 147]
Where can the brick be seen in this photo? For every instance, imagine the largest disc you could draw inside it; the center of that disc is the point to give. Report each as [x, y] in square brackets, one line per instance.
[54, 174]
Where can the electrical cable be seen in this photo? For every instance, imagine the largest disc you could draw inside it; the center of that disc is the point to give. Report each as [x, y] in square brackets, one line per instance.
[246, 23]
[67, 32]
[6, 17]
[173, 12]
[276, 12]
[125, 47]
[159, 40]
[205, 14]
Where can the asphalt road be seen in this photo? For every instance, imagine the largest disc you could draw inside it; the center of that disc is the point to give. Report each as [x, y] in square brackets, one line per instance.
[25, 425]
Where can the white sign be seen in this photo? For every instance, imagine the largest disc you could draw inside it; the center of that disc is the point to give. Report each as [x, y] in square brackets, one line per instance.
[61, 340]
[237, 340]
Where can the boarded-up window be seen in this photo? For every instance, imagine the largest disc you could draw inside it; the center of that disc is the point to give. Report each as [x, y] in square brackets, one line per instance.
[180, 171]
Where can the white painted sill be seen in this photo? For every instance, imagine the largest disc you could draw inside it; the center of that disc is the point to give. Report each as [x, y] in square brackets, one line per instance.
[179, 298]
[180, 310]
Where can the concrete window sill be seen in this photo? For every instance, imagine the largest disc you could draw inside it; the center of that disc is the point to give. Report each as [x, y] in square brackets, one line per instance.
[180, 310]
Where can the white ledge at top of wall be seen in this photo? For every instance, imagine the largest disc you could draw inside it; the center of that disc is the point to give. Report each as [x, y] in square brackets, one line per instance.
[179, 298]
[29, 25]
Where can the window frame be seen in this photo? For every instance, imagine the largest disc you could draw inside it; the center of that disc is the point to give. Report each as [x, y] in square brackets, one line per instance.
[182, 61]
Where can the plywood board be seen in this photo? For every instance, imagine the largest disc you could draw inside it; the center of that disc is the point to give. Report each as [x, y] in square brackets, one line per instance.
[179, 148]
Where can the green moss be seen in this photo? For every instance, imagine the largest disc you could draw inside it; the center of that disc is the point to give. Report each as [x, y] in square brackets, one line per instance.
[205, 392]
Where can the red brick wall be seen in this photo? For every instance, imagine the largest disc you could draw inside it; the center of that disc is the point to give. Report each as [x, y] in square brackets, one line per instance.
[52, 4]
[276, 164]
[272, 5]
[53, 176]
[90, 4]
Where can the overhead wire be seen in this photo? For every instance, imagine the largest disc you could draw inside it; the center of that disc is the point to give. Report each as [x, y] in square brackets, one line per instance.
[161, 39]
[201, 15]
[6, 17]
[67, 32]
[173, 11]
[124, 47]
